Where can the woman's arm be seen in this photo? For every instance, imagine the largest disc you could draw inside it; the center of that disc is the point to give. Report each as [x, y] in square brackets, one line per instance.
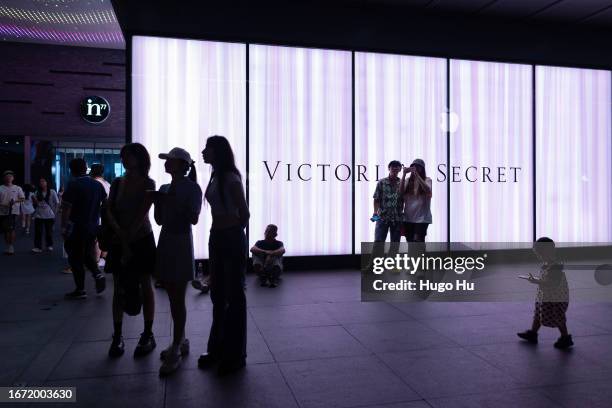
[158, 211]
[194, 205]
[405, 171]
[238, 197]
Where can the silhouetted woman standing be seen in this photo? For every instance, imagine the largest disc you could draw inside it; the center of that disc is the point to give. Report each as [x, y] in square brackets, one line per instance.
[177, 208]
[228, 256]
[131, 256]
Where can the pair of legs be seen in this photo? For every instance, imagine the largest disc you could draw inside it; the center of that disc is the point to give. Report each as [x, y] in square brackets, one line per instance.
[26, 221]
[267, 268]
[7, 224]
[79, 247]
[535, 326]
[41, 224]
[176, 295]
[415, 231]
[148, 304]
[227, 341]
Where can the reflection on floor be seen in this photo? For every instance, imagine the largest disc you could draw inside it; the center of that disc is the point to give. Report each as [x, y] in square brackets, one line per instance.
[312, 343]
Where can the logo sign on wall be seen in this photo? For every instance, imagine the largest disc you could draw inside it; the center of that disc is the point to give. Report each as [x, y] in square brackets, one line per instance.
[95, 109]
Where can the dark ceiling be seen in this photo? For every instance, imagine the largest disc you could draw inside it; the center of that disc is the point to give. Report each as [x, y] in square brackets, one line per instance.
[587, 12]
[552, 32]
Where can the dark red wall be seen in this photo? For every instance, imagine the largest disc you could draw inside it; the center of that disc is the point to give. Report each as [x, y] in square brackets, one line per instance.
[41, 87]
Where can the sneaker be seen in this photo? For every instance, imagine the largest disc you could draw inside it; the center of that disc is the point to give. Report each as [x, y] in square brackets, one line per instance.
[76, 294]
[172, 361]
[117, 347]
[183, 349]
[49, 248]
[529, 335]
[263, 282]
[564, 342]
[206, 360]
[100, 283]
[37, 250]
[145, 345]
[67, 270]
[199, 285]
[10, 250]
[228, 367]
[273, 283]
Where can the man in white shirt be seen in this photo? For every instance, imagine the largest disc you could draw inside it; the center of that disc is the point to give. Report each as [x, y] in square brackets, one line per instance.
[10, 198]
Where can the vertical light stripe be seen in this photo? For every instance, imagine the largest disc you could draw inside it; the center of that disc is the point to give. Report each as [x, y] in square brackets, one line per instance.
[399, 106]
[574, 180]
[300, 113]
[183, 92]
[493, 102]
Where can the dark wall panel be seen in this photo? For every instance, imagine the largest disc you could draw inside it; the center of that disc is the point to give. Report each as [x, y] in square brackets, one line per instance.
[41, 87]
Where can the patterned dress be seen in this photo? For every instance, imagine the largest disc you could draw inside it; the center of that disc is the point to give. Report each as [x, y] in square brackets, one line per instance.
[552, 298]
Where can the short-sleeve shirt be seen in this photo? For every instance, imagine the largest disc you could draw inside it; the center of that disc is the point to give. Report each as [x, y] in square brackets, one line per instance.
[269, 245]
[183, 202]
[388, 195]
[10, 194]
[222, 205]
[85, 197]
[126, 205]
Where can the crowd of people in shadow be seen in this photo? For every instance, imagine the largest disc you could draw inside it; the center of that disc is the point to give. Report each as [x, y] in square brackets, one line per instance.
[111, 221]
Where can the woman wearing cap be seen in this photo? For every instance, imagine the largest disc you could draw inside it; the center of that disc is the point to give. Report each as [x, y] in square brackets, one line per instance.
[177, 208]
[228, 256]
[417, 201]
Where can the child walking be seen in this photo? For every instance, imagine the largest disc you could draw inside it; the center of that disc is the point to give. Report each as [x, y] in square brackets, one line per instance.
[552, 298]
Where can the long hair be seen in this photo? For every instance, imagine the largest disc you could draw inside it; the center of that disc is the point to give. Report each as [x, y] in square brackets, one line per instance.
[223, 163]
[411, 181]
[142, 157]
[39, 192]
[28, 189]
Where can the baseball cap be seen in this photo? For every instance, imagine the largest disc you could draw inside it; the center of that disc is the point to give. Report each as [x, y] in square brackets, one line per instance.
[420, 162]
[177, 153]
[7, 172]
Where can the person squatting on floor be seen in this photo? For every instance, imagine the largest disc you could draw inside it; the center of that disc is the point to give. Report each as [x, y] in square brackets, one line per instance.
[268, 257]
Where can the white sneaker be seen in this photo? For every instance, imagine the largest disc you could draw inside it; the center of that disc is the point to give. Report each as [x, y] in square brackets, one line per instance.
[49, 248]
[172, 361]
[36, 250]
[10, 250]
[183, 349]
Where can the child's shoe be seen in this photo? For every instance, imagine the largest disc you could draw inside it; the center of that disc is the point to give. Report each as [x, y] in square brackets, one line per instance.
[529, 335]
[564, 342]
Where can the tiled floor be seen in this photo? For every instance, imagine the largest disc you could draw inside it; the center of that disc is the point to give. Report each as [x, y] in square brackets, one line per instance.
[312, 343]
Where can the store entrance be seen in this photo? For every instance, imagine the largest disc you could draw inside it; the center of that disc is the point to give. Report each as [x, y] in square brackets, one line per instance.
[106, 154]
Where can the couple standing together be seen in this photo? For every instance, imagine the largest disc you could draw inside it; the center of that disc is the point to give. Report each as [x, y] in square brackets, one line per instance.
[403, 207]
[176, 208]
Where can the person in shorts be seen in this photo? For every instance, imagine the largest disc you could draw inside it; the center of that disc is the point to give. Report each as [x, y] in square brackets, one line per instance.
[268, 257]
[11, 196]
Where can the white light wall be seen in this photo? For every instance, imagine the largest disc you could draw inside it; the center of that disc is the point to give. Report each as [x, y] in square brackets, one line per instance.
[573, 155]
[490, 201]
[400, 105]
[300, 114]
[182, 92]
